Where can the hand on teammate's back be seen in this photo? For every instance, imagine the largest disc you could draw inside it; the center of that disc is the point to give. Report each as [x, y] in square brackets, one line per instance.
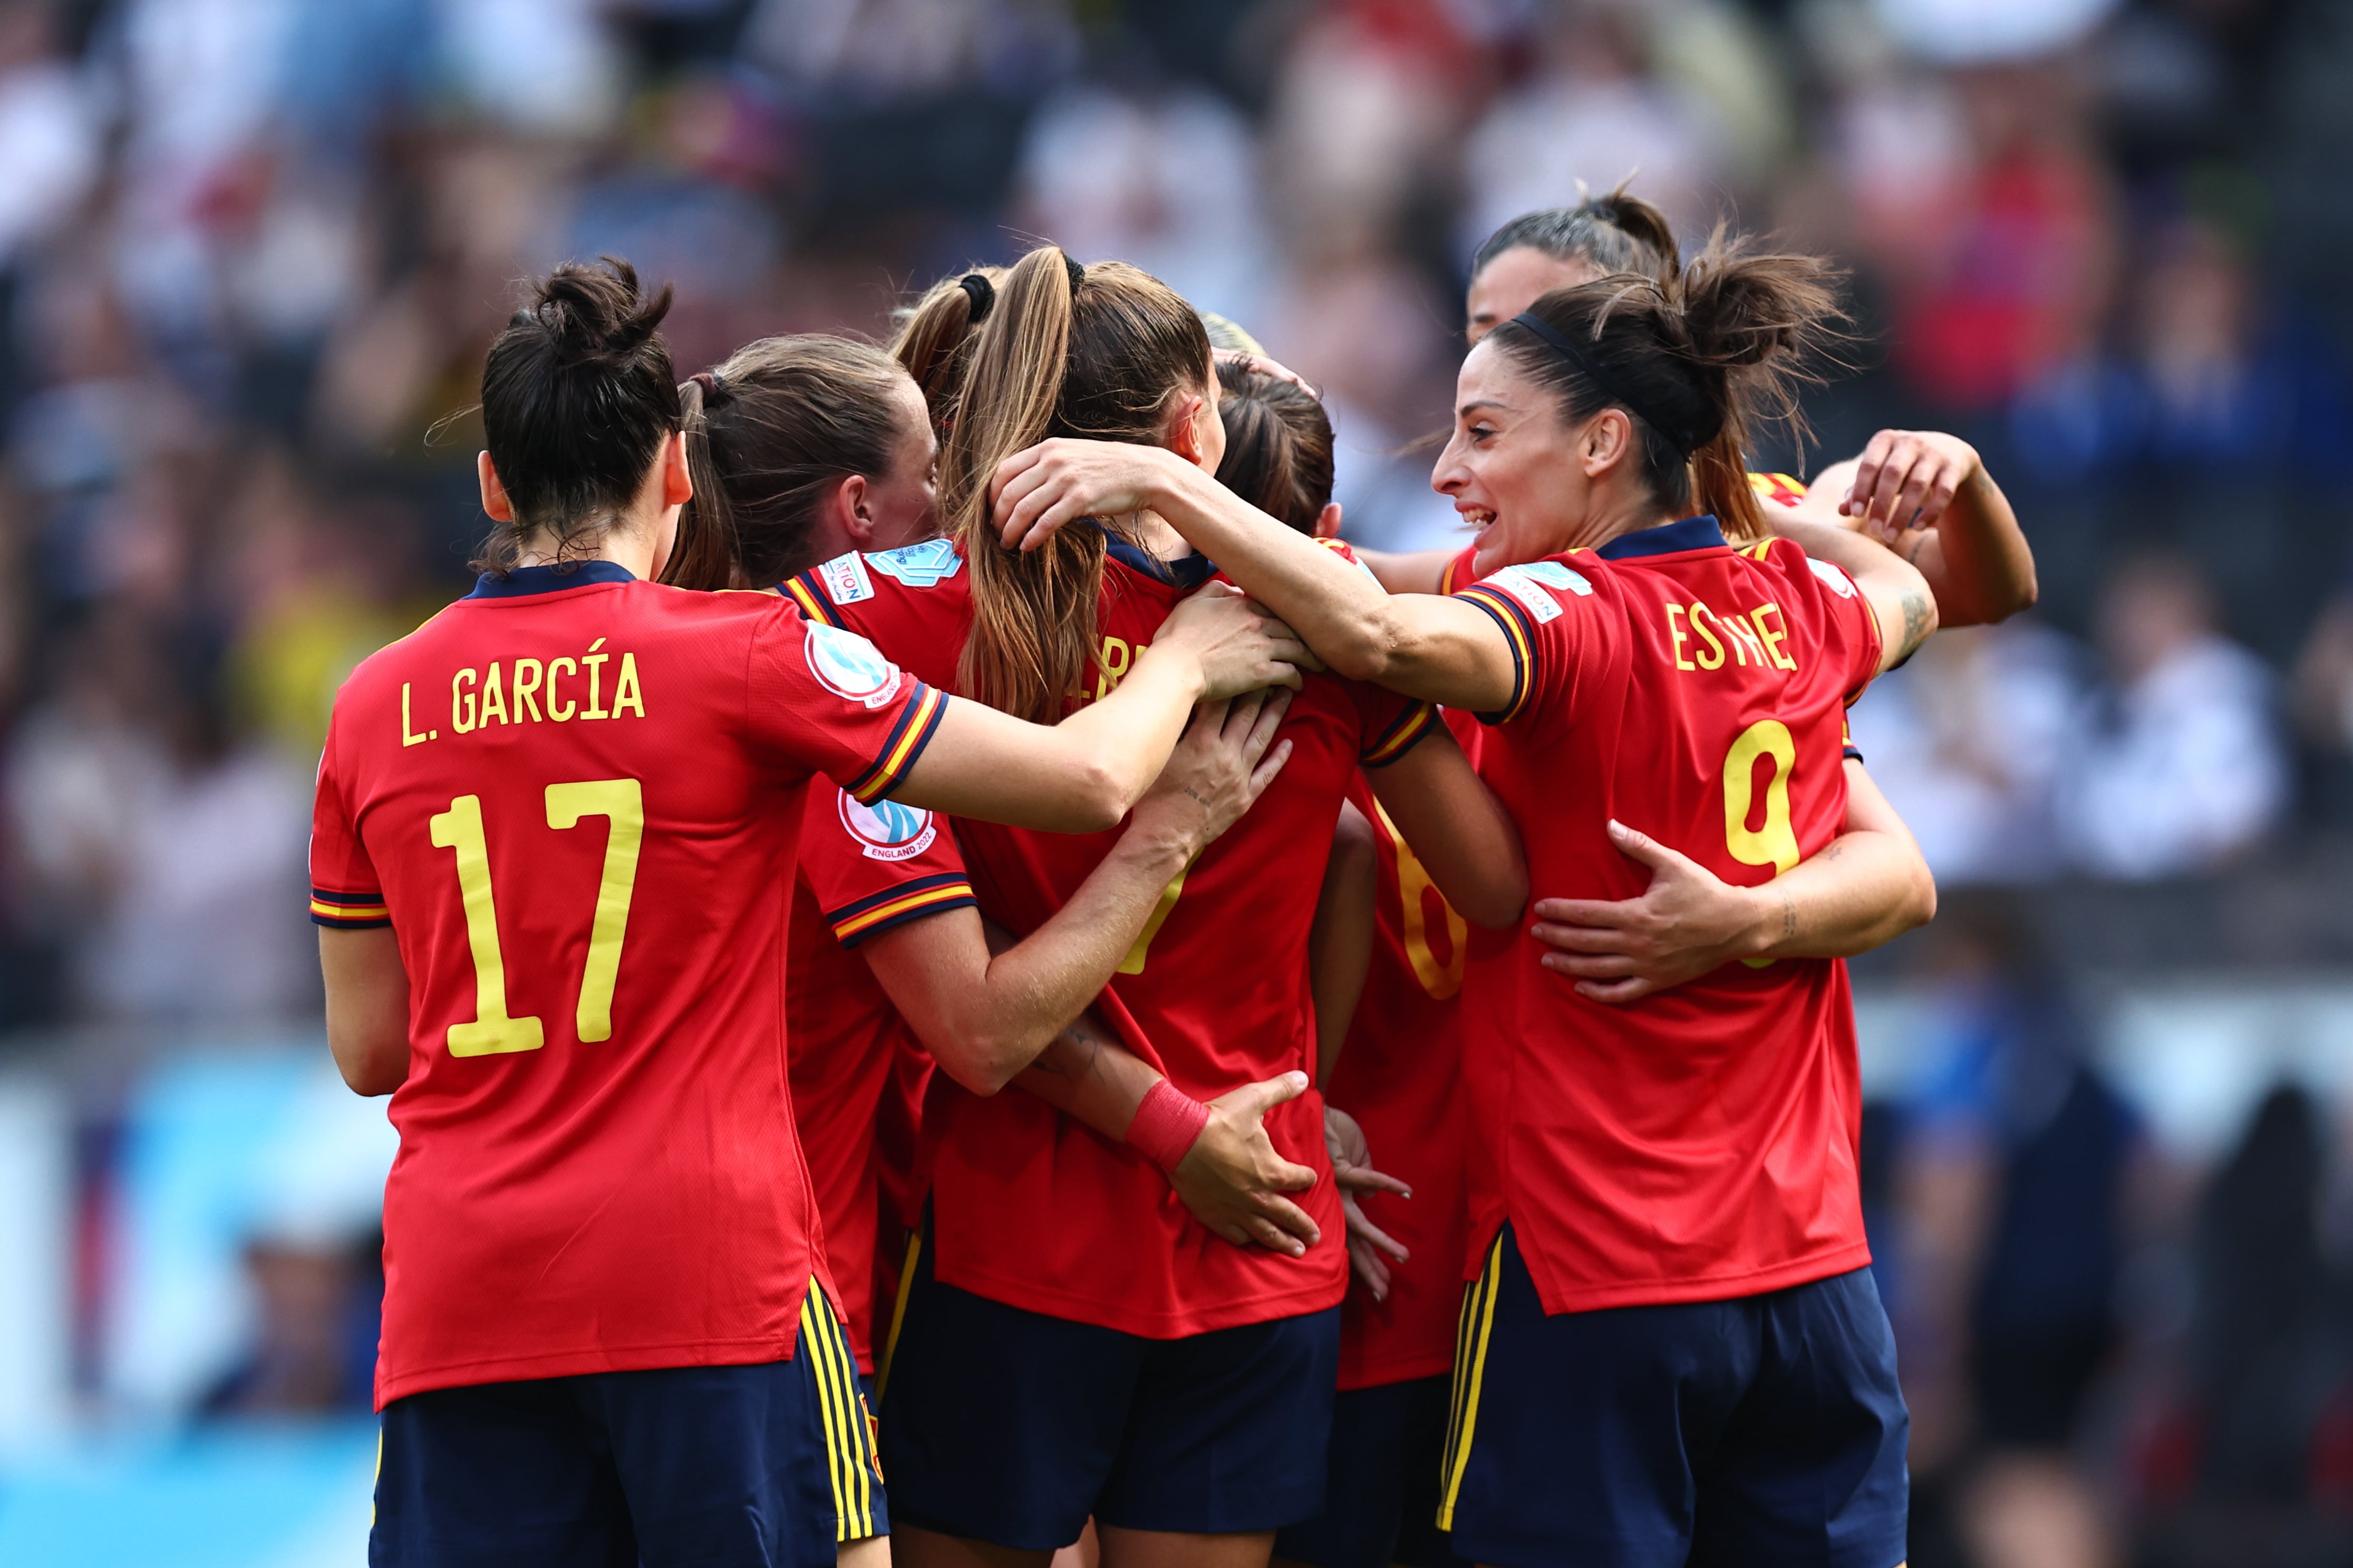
[1686, 922]
[1240, 647]
[1352, 1172]
[1233, 1179]
[1226, 761]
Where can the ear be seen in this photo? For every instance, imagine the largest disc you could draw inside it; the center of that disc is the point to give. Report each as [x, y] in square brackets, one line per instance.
[494, 494]
[678, 483]
[1609, 441]
[857, 516]
[1195, 433]
[1327, 523]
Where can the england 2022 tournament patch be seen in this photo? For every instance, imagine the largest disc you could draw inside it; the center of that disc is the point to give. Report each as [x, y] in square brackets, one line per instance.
[849, 666]
[845, 579]
[923, 565]
[1841, 584]
[1534, 584]
[888, 831]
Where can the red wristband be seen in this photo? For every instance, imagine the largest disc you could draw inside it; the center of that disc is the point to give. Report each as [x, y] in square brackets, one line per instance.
[1166, 1125]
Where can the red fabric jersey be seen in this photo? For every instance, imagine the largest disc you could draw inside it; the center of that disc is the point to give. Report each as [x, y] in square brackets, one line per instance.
[864, 870]
[1400, 1075]
[1700, 1144]
[576, 797]
[1029, 1207]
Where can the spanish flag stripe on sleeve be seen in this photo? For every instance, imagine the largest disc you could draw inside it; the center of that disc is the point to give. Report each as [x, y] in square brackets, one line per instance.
[809, 594]
[853, 923]
[1520, 634]
[1402, 735]
[918, 722]
[348, 912]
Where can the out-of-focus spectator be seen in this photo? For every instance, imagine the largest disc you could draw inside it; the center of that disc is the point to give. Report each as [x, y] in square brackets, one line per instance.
[1966, 741]
[1594, 117]
[48, 129]
[2177, 765]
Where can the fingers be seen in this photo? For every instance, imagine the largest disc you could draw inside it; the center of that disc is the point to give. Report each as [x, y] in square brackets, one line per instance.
[1366, 1265]
[1591, 966]
[1373, 1235]
[1866, 474]
[1641, 847]
[1585, 939]
[1255, 1100]
[1287, 1178]
[1265, 772]
[1068, 510]
[1616, 993]
[1289, 1219]
[1274, 1240]
[1365, 1179]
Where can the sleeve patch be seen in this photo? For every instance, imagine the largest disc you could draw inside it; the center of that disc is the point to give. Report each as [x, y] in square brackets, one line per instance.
[845, 579]
[850, 666]
[923, 565]
[1536, 585]
[1840, 583]
[888, 831]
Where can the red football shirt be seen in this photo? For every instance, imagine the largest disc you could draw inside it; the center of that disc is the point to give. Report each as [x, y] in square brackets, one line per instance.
[576, 799]
[1700, 1144]
[1400, 1075]
[1029, 1207]
[858, 1072]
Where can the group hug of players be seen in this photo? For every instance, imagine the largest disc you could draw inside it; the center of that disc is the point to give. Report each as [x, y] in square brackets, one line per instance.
[925, 903]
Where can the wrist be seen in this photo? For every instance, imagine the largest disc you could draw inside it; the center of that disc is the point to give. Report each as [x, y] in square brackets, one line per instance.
[1166, 1125]
[1769, 919]
[1168, 829]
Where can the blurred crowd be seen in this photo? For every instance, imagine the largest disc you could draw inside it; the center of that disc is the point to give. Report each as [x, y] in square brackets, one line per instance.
[252, 252]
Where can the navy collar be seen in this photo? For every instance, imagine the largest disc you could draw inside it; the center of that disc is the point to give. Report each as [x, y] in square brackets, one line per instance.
[526, 580]
[1186, 571]
[1668, 538]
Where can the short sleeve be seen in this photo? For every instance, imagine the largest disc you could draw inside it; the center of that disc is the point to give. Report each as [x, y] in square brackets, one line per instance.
[828, 699]
[875, 866]
[345, 893]
[1548, 613]
[1393, 725]
[1848, 630]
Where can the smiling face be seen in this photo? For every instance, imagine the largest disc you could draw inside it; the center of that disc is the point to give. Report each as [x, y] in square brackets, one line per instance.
[1516, 280]
[1515, 472]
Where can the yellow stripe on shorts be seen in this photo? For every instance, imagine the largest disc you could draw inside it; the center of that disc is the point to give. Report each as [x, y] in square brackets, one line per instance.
[898, 1312]
[841, 1405]
[1469, 1372]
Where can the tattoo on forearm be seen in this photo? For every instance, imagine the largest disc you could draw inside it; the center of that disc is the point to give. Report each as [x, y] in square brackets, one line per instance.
[1789, 916]
[1919, 543]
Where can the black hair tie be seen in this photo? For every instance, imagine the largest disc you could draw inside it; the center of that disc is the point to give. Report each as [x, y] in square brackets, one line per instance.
[1078, 273]
[983, 294]
[1684, 440]
[714, 385]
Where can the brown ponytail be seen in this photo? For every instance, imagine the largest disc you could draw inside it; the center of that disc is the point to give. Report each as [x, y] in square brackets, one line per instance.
[934, 336]
[1695, 362]
[1100, 355]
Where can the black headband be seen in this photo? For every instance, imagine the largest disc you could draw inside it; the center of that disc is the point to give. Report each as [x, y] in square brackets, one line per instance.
[983, 294]
[1078, 273]
[1684, 438]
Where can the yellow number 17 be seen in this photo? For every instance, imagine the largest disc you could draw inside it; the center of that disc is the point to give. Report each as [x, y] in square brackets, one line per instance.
[622, 803]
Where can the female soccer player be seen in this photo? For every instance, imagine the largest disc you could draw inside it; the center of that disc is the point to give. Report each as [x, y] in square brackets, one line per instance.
[1394, 1088]
[554, 837]
[1176, 1388]
[1924, 493]
[1672, 1352]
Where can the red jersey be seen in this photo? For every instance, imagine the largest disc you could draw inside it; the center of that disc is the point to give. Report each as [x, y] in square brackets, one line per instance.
[864, 870]
[1029, 1207]
[1699, 1144]
[576, 797]
[1400, 1075]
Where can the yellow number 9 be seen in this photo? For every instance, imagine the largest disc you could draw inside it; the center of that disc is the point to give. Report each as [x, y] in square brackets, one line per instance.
[1776, 843]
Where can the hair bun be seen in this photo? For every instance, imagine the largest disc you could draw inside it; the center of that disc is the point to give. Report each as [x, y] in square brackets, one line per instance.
[593, 314]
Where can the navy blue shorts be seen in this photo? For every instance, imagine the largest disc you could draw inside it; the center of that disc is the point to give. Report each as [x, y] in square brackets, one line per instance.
[769, 1465]
[1012, 1426]
[1758, 1431]
[1381, 1489]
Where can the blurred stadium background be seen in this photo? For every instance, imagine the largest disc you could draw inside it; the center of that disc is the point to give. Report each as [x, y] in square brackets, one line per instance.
[252, 252]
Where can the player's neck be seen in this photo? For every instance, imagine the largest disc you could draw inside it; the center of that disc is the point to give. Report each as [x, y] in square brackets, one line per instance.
[628, 543]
